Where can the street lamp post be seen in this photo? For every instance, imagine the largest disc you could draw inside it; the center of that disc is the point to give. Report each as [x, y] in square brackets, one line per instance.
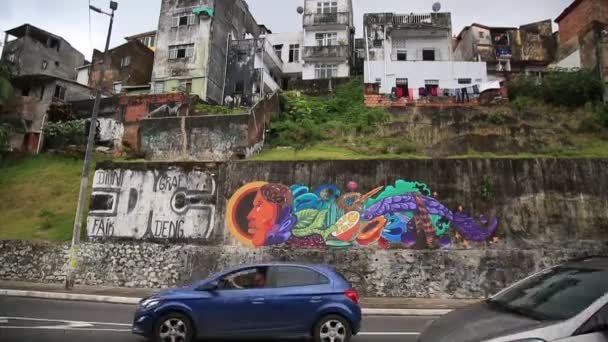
[84, 182]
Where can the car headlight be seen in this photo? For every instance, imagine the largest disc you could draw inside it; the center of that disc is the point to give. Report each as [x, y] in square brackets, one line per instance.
[149, 303]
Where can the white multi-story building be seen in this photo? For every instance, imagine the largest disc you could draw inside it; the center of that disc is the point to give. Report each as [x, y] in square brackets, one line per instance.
[324, 49]
[414, 51]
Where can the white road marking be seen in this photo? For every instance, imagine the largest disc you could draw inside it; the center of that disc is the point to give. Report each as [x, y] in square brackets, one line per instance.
[405, 333]
[72, 323]
[65, 329]
[89, 326]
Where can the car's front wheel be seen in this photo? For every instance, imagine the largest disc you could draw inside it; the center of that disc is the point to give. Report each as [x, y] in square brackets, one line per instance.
[333, 328]
[173, 327]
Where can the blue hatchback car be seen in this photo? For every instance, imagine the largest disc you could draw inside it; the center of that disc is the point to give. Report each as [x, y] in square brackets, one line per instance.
[269, 301]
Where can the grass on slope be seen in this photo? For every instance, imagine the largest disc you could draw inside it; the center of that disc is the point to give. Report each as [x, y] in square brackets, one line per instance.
[38, 197]
[324, 152]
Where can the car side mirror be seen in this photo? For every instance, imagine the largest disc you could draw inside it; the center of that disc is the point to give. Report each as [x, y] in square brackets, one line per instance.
[210, 286]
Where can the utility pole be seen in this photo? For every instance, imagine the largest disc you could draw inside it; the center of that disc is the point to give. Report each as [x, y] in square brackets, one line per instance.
[84, 182]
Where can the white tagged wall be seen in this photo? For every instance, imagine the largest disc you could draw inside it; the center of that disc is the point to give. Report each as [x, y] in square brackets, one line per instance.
[152, 204]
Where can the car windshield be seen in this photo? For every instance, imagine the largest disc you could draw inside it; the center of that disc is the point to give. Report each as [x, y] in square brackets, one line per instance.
[556, 294]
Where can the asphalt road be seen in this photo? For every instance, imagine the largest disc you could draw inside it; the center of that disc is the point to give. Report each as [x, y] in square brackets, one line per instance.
[26, 319]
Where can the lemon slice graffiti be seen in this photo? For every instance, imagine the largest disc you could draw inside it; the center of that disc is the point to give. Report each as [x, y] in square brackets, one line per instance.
[347, 227]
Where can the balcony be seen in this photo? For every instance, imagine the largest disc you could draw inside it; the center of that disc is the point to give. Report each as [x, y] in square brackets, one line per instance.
[326, 20]
[413, 20]
[332, 53]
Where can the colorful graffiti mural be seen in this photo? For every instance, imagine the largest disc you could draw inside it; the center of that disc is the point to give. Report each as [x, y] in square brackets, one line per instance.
[406, 215]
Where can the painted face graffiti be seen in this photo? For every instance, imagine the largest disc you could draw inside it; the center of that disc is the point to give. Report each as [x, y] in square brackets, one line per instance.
[404, 215]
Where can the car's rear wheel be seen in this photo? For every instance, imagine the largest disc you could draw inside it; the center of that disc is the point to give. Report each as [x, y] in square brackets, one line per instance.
[332, 328]
[173, 327]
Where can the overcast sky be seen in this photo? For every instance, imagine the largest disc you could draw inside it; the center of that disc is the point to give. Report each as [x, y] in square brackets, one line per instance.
[70, 18]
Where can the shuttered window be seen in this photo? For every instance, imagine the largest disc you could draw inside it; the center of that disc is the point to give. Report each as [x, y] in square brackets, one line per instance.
[181, 51]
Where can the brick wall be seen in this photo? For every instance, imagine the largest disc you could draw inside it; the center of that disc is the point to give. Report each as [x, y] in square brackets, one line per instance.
[581, 16]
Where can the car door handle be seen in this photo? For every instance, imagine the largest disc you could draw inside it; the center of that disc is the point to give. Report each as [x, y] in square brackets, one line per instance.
[316, 299]
[258, 301]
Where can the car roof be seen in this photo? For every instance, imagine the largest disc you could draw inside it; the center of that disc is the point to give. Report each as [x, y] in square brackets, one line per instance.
[325, 269]
[592, 262]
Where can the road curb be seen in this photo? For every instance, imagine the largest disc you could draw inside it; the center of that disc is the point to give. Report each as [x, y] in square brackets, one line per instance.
[133, 300]
[70, 296]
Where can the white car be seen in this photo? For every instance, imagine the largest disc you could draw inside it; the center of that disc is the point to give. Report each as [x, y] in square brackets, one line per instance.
[566, 303]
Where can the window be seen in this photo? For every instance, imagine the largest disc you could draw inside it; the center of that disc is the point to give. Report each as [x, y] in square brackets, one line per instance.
[555, 294]
[181, 51]
[239, 88]
[159, 87]
[57, 64]
[464, 81]
[401, 82]
[326, 71]
[125, 61]
[186, 86]
[44, 65]
[326, 7]
[286, 276]
[241, 56]
[481, 35]
[59, 93]
[401, 55]
[278, 49]
[246, 279]
[327, 39]
[294, 53]
[53, 44]
[183, 20]
[117, 87]
[597, 323]
[428, 54]
[11, 58]
[25, 91]
[147, 41]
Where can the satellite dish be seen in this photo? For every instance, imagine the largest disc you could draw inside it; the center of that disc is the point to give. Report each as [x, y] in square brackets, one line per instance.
[300, 9]
[436, 7]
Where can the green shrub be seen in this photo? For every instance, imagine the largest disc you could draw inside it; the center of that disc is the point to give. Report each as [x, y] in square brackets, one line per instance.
[497, 118]
[306, 120]
[601, 115]
[560, 88]
[60, 134]
[486, 189]
[522, 103]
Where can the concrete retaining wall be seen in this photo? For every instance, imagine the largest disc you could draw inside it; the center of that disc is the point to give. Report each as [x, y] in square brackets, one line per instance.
[499, 220]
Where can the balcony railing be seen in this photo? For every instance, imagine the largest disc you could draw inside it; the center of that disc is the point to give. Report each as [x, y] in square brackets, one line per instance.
[325, 19]
[409, 19]
[326, 53]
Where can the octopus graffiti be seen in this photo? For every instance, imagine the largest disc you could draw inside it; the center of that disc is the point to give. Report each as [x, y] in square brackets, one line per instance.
[406, 214]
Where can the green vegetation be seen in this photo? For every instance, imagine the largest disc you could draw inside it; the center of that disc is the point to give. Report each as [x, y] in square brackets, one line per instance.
[61, 134]
[38, 197]
[325, 152]
[486, 189]
[560, 88]
[306, 120]
[207, 109]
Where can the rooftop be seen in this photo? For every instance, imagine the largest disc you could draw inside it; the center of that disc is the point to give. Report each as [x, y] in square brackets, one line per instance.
[568, 9]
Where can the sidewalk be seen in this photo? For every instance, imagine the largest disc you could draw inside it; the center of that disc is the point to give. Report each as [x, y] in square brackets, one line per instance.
[122, 295]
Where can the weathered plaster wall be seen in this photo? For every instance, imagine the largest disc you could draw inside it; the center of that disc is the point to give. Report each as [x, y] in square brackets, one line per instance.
[166, 203]
[138, 72]
[31, 53]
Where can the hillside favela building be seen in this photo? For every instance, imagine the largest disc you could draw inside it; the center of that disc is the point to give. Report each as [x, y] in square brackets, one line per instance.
[410, 55]
[44, 71]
